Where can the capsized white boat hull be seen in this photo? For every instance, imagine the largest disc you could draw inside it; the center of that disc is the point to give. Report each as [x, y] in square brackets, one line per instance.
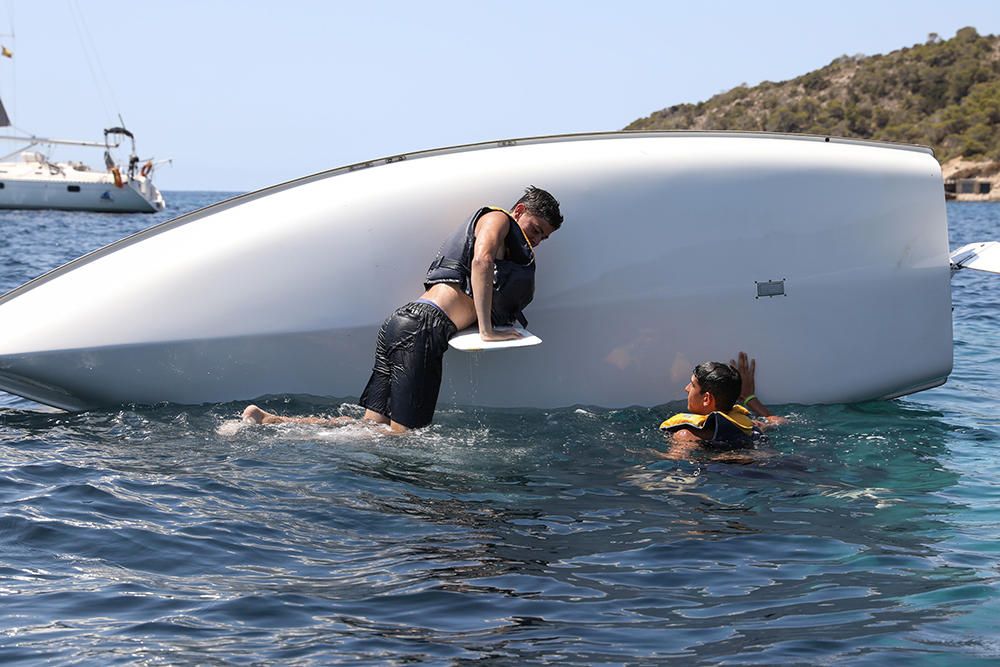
[827, 260]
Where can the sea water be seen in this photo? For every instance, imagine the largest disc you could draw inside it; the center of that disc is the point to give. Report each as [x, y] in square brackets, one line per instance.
[869, 535]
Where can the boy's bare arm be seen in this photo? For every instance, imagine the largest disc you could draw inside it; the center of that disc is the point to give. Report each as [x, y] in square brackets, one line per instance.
[747, 369]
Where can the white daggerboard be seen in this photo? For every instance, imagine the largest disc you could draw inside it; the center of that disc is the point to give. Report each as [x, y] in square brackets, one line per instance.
[468, 340]
[984, 256]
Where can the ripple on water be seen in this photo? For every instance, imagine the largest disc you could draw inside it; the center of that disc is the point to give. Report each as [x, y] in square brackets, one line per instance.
[868, 533]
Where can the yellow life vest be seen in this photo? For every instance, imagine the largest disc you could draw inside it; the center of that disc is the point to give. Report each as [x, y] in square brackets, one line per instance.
[733, 427]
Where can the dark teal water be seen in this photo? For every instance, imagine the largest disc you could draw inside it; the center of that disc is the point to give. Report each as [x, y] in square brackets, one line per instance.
[172, 535]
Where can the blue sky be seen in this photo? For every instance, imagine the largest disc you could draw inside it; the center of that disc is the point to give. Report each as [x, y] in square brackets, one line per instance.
[245, 94]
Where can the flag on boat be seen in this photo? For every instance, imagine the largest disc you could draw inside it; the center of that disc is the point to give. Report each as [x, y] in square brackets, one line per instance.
[5, 52]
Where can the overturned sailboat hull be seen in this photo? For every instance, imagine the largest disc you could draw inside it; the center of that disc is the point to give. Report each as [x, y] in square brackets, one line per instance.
[826, 259]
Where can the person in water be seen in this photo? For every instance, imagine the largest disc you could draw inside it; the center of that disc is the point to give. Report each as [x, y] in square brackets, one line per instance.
[720, 398]
[485, 273]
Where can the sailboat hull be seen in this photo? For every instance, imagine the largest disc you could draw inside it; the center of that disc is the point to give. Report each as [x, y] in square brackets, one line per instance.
[132, 197]
[827, 260]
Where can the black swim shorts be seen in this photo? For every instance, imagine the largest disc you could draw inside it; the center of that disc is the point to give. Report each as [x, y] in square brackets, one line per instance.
[406, 378]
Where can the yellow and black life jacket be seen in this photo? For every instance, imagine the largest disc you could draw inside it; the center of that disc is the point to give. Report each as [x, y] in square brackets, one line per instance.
[513, 276]
[734, 428]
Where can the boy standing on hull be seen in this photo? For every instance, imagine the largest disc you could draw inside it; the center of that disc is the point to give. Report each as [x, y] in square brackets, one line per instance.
[485, 273]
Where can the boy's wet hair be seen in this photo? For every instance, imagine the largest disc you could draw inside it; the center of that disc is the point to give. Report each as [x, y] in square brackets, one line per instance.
[720, 380]
[541, 203]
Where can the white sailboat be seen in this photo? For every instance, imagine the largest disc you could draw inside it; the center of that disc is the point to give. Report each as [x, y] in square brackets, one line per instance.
[34, 181]
[31, 179]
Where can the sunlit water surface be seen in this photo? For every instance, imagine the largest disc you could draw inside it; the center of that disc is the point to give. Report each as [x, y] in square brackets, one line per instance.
[871, 534]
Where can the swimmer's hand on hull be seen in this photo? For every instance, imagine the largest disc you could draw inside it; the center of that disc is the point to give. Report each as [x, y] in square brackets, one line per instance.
[747, 368]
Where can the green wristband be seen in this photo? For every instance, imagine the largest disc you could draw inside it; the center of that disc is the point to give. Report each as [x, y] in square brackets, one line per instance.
[746, 401]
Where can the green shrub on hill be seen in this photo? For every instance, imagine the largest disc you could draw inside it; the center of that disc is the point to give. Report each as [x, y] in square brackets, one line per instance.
[943, 93]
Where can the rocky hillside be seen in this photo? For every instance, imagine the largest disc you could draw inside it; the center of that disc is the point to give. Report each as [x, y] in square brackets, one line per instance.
[943, 93]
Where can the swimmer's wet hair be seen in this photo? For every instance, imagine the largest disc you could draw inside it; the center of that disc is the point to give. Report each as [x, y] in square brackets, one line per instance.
[541, 203]
[720, 380]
